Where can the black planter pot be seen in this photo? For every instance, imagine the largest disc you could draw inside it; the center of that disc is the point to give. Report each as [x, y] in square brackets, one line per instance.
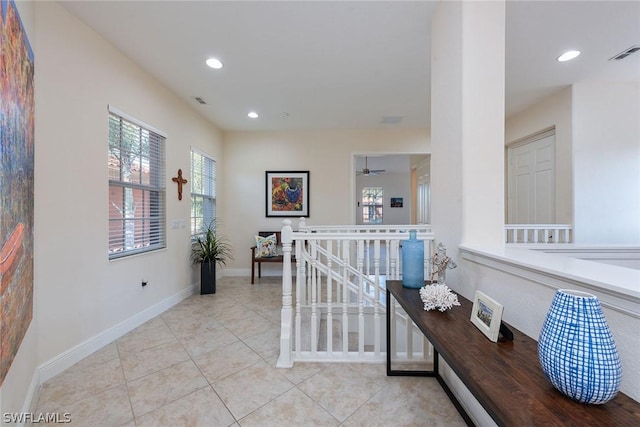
[207, 278]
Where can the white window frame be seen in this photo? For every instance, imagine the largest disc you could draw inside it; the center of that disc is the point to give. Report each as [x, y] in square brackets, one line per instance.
[203, 191]
[137, 193]
[372, 207]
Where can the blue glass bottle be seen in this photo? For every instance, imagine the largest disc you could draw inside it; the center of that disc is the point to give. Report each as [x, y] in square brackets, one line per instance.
[412, 262]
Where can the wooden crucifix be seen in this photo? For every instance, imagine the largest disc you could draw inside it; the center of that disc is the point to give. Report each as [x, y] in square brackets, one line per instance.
[179, 180]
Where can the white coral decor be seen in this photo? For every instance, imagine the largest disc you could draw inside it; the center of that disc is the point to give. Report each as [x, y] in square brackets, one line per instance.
[438, 296]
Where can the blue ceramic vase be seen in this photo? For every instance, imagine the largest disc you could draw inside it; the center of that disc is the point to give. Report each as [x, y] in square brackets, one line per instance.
[412, 262]
[576, 349]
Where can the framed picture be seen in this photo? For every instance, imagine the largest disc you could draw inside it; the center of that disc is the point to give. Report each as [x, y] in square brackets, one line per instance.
[396, 202]
[487, 315]
[287, 193]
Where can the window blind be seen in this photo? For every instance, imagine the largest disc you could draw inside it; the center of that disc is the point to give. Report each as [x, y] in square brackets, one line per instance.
[203, 191]
[137, 208]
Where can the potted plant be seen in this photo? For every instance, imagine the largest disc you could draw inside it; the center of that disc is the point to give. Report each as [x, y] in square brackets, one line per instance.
[208, 250]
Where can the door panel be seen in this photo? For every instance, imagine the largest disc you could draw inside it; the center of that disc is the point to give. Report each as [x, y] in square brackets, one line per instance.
[523, 199]
[531, 181]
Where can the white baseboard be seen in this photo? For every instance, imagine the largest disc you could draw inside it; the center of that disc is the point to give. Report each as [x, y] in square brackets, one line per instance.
[64, 360]
[31, 399]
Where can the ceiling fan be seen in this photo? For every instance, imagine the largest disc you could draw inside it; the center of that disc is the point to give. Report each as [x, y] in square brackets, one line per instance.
[366, 171]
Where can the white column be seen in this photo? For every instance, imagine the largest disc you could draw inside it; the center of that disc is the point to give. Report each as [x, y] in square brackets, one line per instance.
[467, 124]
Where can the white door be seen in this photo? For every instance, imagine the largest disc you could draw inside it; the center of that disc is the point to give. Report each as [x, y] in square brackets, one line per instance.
[531, 182]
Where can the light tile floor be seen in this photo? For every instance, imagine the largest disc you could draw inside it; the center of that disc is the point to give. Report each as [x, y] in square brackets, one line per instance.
[210, 361]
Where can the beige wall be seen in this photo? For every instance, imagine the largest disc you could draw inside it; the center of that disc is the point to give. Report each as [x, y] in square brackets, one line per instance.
[78, 75]
[327, 155]
[78, 292]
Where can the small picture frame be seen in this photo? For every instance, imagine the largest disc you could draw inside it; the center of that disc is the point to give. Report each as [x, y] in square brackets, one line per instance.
[396, 202]
[287, 194]
[486, 315]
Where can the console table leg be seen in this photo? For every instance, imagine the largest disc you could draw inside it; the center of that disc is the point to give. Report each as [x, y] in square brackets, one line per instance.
[435, 372]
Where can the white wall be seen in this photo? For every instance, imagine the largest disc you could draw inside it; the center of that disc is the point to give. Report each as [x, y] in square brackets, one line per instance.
[554, 111]
[78, 292]
[327, 155]
[606, 147]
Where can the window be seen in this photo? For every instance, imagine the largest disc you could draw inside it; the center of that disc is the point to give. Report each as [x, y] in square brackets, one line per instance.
[136, 187]
[203, 192]
[372, 205]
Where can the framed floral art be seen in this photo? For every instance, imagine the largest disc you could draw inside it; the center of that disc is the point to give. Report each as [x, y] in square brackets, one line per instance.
[287, 193]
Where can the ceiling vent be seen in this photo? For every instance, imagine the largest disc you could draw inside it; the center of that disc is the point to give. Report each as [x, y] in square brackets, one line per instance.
[200, 100]
[626, 53]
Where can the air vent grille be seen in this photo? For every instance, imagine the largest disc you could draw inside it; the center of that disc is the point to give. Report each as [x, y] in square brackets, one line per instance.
[626, 53]
[200, 100]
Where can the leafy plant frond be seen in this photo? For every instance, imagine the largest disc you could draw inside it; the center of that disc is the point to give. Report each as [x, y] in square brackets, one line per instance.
[210, 246]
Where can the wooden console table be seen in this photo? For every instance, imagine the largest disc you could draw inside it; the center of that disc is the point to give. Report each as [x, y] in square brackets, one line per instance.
[505, 377]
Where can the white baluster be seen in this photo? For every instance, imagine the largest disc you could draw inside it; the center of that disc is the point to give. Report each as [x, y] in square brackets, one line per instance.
[409, 337]
[376, 305]
[360, 297]
[345, 297]
[329, 299]
[394, 253]
[386, 260]
[300, 287]
[314, 296]
[286, 316]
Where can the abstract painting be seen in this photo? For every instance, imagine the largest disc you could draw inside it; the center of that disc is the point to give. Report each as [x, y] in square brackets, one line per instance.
[16, 183]
[287, 194]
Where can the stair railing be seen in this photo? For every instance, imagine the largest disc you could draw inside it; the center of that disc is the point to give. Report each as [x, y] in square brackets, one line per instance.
[340, 293]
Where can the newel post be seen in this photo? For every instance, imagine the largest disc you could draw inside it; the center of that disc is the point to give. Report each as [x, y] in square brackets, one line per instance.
[285, 360]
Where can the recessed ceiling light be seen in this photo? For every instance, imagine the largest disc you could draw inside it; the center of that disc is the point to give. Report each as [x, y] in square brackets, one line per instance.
[568, 56]
[253, 115]
[214, 63]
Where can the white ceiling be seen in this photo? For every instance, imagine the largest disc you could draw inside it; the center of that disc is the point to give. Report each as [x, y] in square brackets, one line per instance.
[348, 64]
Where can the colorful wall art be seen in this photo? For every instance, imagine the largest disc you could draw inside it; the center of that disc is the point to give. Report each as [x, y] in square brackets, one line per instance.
[16, 183]
[287, 193]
